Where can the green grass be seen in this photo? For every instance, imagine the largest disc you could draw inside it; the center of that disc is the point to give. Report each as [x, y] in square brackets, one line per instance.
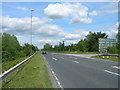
[32, 74]
[112, 58]
[9, 64]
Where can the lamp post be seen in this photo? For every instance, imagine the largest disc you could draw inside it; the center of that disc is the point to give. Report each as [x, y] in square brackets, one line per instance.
[31, 29]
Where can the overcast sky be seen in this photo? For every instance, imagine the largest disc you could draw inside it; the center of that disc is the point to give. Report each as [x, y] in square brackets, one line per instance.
[54, 22]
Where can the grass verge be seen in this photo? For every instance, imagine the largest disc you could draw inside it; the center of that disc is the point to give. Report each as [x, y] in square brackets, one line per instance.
[32, 74]
[112, 58]
[9, 64]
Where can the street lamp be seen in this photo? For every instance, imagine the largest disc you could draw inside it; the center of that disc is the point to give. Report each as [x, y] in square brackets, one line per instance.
[31, 29]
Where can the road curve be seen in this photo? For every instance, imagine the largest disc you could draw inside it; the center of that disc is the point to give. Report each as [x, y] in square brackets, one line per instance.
[79, 72]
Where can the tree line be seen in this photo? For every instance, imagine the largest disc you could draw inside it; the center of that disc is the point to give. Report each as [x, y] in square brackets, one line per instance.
[11, 48]
[88, 44]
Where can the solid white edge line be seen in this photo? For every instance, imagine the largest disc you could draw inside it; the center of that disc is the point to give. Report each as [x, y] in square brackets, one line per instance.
[112, 72]
[54, 76]
[56, 79]
[115, 67]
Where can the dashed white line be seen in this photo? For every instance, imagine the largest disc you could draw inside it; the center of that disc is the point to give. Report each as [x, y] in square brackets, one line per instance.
[54, 59]
[112, 72]
[74, 58]
[115, 67]
[75, 61]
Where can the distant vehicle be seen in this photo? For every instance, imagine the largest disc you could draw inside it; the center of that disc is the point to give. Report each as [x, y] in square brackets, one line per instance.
[44, 52]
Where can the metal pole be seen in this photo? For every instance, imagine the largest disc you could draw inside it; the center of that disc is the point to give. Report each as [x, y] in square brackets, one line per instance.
[31, 30]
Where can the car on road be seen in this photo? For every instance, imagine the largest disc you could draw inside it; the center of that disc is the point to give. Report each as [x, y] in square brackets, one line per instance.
[44, 52]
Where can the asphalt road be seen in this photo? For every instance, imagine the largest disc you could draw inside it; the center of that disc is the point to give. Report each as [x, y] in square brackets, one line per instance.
[78, 72]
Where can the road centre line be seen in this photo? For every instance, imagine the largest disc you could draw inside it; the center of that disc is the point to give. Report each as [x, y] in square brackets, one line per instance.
[75, 61]
[54, 59]
[115, 67]
[112, 72]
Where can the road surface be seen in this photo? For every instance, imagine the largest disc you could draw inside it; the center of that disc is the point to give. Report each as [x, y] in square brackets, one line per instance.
[78, 72]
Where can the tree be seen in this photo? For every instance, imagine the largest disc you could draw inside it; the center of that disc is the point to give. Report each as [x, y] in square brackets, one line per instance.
[81, 46]
[118, 40]
[60, 47]
[90, 43]
[11, 48]
[47, 47]
[0, 46]
[10, 43]
[92, 40]
[56, 48]
[27, 49]
[63, 46]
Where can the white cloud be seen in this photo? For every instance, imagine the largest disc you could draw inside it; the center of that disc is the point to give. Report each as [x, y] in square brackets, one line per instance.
[56, 11]
[77, 11]
[42, 32]
[72, 36]
[22, 8]
[20, 25]
[49, 30]
[82, 20]
[110, 30]
[72, 42]
[117, 24]
[47, 33]
[112, 33]
[113, 30]
[44, 41]
[82, 32]
[93, 13]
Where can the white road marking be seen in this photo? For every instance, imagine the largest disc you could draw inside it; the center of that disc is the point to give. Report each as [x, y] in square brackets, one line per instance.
[56, 79]
[112, 72]
[75, 61]
[115, 67]
[54, 59]
[74, 58]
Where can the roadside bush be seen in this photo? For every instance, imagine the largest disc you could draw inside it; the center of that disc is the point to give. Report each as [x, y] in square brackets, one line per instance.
[112, 49]
[12, 50]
